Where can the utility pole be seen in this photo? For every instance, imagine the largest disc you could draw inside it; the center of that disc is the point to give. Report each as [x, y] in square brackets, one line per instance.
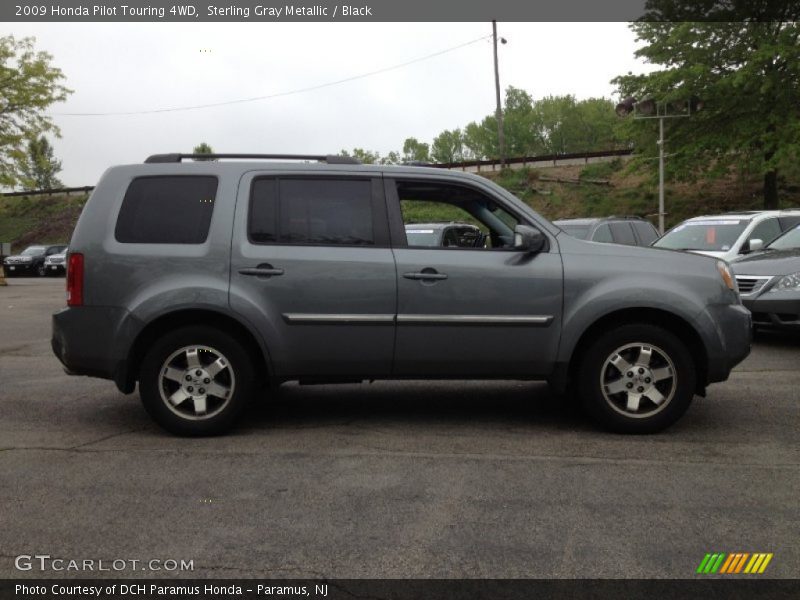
[661, 175]
[501, 137]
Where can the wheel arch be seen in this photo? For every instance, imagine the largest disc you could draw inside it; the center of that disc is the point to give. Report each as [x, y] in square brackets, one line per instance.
[127, 376]
[650, 316]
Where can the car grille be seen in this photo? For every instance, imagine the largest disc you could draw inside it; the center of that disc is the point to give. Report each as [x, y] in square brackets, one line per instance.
[751, 285]
[56, 261]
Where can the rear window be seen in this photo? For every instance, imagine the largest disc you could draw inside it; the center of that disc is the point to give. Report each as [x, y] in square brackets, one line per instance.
[312, 211]
[167, 210]
[623, 234]
[577, 231]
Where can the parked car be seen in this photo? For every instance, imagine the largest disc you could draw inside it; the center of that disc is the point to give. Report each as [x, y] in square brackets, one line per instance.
[631, 231]
[446, 235]
[56, 264]
[31, 260]
[769, 282]
[240, 275]
[730, 235]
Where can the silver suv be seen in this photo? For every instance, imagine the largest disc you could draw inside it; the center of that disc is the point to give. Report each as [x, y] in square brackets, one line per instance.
[207, 281]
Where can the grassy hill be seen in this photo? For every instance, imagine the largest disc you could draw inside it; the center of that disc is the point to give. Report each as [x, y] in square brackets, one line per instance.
[594, 190]
[39, 219]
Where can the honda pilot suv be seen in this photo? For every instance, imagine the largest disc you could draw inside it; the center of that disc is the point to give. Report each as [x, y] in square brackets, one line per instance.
[209, 281]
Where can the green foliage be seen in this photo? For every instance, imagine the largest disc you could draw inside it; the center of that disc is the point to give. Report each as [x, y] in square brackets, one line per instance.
[29, 85]
[365, 156]
[447, 147]
[551, 125]
[748, 75]
[39, 168]
[203, 148]
[415, 151]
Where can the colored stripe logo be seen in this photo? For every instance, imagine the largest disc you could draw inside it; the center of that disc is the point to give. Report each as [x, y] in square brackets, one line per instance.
[737, 562]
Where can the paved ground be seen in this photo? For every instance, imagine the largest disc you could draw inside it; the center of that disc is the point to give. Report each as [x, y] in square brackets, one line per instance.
[392, 479]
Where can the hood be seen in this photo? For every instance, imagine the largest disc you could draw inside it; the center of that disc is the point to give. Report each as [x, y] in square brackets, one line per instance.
[776, 262]
[709, 253]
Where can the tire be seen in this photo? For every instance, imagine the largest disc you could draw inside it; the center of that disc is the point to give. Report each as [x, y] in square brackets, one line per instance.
[649, 388]
[219, 362]
[41, 271]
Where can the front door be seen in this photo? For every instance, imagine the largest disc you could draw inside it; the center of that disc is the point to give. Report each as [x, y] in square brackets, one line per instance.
[467, 310]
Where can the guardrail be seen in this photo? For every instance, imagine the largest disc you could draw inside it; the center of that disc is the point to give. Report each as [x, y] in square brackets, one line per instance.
[67, 191]
[549, 160]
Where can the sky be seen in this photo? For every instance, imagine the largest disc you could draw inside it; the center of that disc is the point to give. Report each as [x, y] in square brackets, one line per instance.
[134, 67]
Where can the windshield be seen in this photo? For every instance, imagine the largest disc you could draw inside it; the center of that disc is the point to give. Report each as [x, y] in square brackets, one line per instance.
[713, 235]
[788, 241]
[578, 231]
[421, 237]
[33, 251]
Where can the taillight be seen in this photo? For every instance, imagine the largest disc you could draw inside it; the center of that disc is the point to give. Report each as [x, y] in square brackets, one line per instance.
[75, 280]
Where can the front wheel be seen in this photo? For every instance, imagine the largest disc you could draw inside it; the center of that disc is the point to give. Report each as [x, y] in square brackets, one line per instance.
[41, 271]
[637, 378]
[196, 380]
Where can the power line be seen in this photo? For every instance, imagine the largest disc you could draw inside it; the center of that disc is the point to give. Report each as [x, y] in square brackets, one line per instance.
[279, 94]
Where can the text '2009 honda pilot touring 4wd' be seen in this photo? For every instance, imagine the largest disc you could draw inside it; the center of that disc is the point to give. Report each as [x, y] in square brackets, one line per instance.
[204, 281]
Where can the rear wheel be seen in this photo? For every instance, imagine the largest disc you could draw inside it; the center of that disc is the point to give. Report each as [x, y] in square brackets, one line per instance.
[196, 380]
[637, 378]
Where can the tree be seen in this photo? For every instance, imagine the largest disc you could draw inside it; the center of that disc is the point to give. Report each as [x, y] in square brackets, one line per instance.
[367, 157]
[415, 151]
[202, 148]
[28, 86]
[747, 73]
[39, 168]
[448, 147]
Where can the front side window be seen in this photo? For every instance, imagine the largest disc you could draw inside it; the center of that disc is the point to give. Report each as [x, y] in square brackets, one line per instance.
[311, 211]
[468, 218]
[788, 241]
[766, 231]
[167, 210]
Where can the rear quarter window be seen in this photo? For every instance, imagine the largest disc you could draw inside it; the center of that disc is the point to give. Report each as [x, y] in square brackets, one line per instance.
[623, 234]
[167, 210]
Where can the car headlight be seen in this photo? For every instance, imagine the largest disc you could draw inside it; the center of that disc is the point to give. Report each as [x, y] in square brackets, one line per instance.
[787, 283]
[727, 276]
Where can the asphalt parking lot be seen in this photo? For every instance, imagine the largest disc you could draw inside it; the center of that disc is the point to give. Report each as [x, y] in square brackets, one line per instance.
[412, 479]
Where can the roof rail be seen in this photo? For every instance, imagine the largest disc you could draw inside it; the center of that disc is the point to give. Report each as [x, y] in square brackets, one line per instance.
[326, 158]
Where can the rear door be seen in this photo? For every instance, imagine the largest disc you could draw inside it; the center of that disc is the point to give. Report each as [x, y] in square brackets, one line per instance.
[471, 312]
[312, 271]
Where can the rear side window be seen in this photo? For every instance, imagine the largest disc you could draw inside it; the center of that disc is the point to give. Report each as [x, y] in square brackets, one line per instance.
[167, 210]
[602, 234]
[312, 211]
[647, 233]
[623, 234]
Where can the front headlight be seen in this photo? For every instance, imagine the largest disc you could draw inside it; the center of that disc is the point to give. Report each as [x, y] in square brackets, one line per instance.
[787, 283]
[727, 276]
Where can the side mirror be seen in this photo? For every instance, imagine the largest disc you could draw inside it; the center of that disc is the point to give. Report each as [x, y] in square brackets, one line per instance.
[753, 245]
[528, 239]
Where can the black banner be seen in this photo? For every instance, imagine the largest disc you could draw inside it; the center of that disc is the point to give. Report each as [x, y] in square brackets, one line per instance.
[397, 589]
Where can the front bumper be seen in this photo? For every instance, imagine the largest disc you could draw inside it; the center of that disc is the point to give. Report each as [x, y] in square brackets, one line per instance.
[731, 344]
[51, 268]
[17, 268]
[775, 310]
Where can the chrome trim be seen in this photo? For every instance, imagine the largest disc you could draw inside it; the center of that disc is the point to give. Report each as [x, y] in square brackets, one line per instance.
[478, 319]
[336, 318]
[756, 279]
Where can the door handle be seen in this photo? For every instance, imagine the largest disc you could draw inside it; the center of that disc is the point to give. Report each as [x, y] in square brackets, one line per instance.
[262, 271]
[426, 276]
